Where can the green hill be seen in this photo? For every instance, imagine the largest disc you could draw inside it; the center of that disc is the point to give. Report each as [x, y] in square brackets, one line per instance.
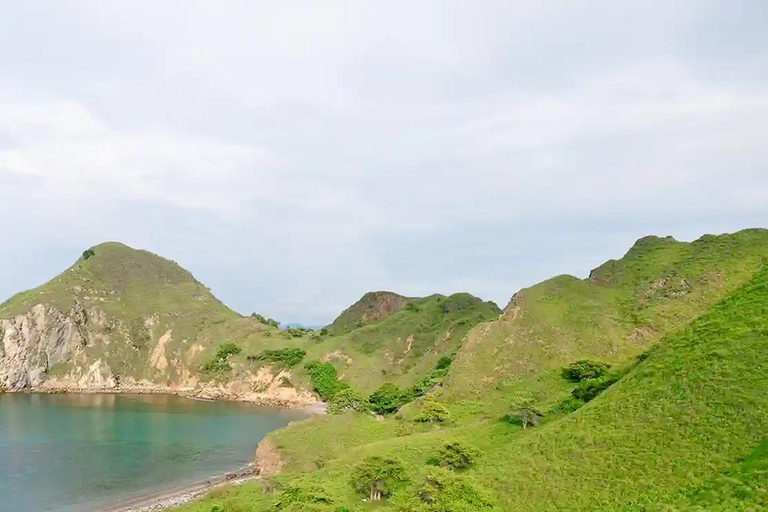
[685, 327]
[624, 307]
[133, 314]
[372, 307]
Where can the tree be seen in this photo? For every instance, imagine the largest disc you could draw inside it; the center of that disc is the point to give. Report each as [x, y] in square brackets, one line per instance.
[525, 413]
[387, 399]
[585, 369]
[88, 253]
[456, 455]
[348, 400]
[433, 412]
[378, 477]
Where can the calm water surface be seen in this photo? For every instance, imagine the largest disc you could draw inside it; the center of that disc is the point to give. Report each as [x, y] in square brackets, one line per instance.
[76, 453]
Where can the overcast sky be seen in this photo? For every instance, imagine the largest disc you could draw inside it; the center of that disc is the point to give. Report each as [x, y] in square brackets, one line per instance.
[294, 155]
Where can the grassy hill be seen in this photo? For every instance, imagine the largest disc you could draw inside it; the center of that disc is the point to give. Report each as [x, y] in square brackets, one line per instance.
[685, 326]
[624, 307]
[144, 318]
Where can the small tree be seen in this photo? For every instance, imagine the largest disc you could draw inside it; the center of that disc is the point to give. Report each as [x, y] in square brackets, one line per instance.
[585, 369]
[378, 477]
[433, 412]
[348, 400]
[88, 253]
[387, 399]
[525, 413]
[457, 455]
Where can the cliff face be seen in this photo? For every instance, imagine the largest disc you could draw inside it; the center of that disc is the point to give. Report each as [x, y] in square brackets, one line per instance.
[35, 342]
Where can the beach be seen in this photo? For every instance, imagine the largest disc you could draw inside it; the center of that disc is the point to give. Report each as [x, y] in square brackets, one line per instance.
[163, 500]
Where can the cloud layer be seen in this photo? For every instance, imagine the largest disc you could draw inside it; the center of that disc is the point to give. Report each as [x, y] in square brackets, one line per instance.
[294, 155]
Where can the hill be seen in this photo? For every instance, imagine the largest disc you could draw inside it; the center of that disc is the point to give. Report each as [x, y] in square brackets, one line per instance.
[121, 318]
[116, 317]
[372, 307]
[680, 427]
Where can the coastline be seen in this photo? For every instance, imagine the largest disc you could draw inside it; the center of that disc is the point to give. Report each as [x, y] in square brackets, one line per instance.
[180, 495]
[310, 407]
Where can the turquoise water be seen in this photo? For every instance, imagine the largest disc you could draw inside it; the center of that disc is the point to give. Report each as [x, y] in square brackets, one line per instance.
[77, 453]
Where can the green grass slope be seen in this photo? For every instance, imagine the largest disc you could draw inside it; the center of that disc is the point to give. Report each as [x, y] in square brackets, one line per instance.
[625, 306]
[685, 430]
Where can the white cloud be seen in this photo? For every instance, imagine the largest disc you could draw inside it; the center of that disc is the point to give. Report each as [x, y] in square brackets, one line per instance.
[297, 154]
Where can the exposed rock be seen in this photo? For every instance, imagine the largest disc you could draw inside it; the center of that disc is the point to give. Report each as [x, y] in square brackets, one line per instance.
[268, 460]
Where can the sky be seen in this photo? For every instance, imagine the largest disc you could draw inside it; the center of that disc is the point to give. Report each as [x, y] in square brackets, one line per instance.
[294, 155]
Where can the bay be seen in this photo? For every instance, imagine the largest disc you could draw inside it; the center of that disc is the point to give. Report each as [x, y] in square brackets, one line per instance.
[79, 452]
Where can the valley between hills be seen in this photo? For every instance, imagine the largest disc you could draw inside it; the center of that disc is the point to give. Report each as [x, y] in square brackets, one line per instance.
[640, 388]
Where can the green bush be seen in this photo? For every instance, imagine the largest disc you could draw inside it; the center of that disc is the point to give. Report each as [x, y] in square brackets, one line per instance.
[288, 357]
[388, 399]
[266, 321]
[432, 379]
[348, 400]
[325, 379]
[291, 496]
[444, 491]
[585, 369]
[433, 412]
[377, 477]
[456, 455]
[444, 362]
[219, 362]
[227, 349]
[88, 253]
[567, 405]
[324, 331]
[588, 389]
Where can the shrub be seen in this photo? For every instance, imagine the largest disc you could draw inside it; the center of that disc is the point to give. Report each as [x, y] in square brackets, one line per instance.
[524, 413]
[567, 405]
[388, 399]
[443, 491]
[288, 357]
[227, 349]
[457, 455]
[293, 495]
[325, 379]
[433, 412]
[297, 332]
[378, 477]
[324, 331]
[444, 362]
[348, 400]
[432, 379]
[88, 253]
[220, 362]
[585, 369]
[266, 321]
[590, 388]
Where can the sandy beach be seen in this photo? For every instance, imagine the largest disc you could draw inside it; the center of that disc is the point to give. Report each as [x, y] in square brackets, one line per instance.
[163, 500]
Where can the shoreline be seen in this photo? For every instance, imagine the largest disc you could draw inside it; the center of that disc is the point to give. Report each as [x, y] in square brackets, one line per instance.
[182, 494]
[313, 408]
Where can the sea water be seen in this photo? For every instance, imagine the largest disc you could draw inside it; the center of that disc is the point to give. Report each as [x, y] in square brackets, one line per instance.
[80, 452]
